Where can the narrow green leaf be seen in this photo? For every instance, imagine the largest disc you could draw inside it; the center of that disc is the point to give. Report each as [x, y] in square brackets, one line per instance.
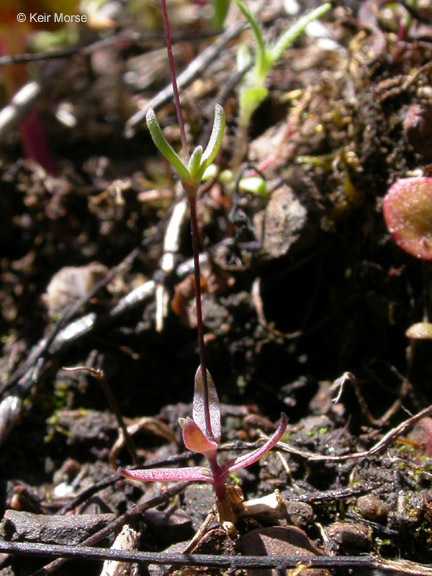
[250, 99]
[220, 11]
[209, 173]
[257, 32]
[216, 138]
[164, 147]
[291, 35]
[195, 161]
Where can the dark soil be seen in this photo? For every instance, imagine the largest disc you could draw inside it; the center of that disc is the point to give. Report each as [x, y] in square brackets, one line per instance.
[302, 286]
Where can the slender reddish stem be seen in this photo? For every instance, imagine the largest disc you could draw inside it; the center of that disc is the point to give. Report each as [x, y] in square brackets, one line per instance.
[167, 30]
[195, 243]
[200, 324]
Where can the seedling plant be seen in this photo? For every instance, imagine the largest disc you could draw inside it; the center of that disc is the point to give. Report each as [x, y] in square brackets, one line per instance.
[253, 91]
[202, 432]
[253, 88]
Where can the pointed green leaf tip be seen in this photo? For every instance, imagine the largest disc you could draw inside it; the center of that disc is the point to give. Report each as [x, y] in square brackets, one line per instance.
[216, 138]
[195, 161]
[190, 175]
[290, 36]
[163, 146]
[261, 55]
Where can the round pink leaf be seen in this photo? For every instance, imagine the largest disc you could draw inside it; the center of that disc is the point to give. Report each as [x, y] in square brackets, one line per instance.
[408, 215]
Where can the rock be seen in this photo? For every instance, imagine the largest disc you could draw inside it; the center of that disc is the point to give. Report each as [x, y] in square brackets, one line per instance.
[280, 225]
[418, 128]
[300, 514]
[71, 284]
[279, 541]
[28, 527]
[170, 525]
[350, 535]
[372, 507]
[199, 500]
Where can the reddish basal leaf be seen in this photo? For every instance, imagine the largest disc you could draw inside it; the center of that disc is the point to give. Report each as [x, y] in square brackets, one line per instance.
[252, 457]
[195, 440]
[191, 474]
[213, 407]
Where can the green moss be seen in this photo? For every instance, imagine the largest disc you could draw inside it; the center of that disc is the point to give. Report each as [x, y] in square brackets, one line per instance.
[318, 432]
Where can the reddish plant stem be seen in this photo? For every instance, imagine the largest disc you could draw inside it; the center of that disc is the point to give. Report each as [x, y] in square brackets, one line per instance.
[200, 324]
[192, 206]
[168, 40]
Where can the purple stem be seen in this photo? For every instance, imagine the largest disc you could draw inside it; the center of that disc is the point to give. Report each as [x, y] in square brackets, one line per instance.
[192, 205]
[167, 30]
[200, 324]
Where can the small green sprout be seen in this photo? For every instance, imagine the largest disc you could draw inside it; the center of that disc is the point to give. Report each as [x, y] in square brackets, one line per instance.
[252, 184]
[253, 89]
[190, 174]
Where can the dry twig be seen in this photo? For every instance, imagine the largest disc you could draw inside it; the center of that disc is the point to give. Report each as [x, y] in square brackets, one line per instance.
[370, 562]
[379, 447]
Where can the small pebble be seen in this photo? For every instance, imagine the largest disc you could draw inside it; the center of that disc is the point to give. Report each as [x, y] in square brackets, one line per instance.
[372, 507]
[71, 284]
[350, 535]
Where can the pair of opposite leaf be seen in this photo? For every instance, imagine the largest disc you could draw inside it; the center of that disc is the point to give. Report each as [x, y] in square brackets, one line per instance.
[202, 434]
[253, 91]
[191, 173]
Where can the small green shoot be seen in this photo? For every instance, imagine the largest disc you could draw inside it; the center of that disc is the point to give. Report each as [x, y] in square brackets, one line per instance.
[253, 89]
[191, 173]
[252, 184]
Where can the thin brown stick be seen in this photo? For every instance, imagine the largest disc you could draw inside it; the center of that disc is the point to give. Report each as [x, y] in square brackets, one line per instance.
[379, 447]
[390, 412]
[194, 70]
[395, 567]
[99, 375]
